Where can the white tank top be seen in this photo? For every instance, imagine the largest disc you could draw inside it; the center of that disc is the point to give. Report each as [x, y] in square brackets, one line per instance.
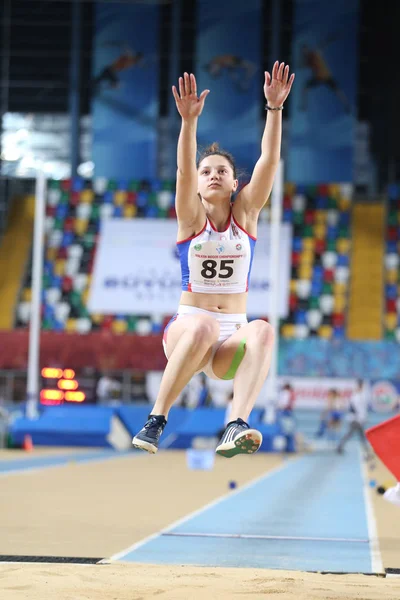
[217, 262]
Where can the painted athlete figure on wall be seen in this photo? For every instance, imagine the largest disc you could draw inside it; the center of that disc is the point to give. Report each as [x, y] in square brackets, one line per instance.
[240, 70]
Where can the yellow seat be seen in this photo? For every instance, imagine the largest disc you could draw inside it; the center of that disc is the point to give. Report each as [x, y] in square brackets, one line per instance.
[344, 203]
[305, 271]
[391, 276]
[59, 267]
[340, 288]
[288, 330]
[391, 321]
[307, 257]
[333, 190]
[27, 295]
[289, 188]
[120, 197]
[80, 226]
[87, 196]
[343, 246]
[119, 326]
[320, 231]
[293, 284]
[51, 254]
[339, 303]
[70, 325]
[308, 243]
[85, 295]
[130, 211]
[96, 318]
[325, 332]
[320, 217]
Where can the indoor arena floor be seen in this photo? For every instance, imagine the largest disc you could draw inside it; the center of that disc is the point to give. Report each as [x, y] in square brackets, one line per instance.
[107, 526]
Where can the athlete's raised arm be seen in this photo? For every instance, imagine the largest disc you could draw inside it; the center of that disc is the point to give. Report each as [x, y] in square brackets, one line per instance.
[188, 206]
[253, 196]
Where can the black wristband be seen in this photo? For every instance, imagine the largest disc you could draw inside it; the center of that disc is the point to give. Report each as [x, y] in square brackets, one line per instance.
[273, 108]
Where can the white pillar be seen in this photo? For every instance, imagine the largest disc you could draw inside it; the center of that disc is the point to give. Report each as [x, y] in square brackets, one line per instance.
[36, 302]
[273, 312]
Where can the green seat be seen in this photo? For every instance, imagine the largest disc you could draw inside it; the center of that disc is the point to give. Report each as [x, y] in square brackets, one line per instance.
[54, 184]
[132, 323]
[308, 232]
[88, 240]
[392, 218]
[327, 289]
[134, 185]
[332, 202]
[58, 223]
[169, 184]
[46, 281]
[112, 185]
[47, 324]
[331, 246]
[95, 213]
[65, 197]
[298, 218]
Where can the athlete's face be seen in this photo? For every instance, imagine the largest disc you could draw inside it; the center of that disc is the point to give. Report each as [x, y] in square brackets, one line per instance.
[215, 178]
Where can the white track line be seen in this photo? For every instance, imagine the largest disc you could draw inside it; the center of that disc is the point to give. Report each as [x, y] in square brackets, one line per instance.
[267, 537]
[376, 558]
[193, 514]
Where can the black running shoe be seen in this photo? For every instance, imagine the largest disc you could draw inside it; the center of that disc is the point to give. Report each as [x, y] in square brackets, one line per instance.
[238, 438]
[148, 437]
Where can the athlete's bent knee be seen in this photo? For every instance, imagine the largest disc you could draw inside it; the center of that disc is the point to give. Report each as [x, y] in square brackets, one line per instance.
[265, 333]
[205, 330]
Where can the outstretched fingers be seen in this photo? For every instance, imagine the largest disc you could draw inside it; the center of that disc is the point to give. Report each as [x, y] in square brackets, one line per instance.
[181, 87]
[291, 79]
[275, 70]
[280, 71]
[175, 94]
[286, 74]
[204, 95]
[193, 84]
[187, 84]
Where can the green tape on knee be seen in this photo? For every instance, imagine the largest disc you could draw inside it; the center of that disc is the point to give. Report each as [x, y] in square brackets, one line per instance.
[237, 359]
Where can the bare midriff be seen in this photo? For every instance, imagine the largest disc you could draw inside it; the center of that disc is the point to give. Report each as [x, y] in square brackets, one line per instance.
[233, 304]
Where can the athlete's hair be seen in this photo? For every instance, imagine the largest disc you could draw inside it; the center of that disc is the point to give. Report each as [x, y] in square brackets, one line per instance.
[213, 149]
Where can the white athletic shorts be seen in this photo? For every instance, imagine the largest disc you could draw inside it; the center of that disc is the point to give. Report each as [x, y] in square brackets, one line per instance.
[228, 324]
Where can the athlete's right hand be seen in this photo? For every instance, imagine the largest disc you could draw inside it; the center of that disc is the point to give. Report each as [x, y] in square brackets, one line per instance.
[188, 104]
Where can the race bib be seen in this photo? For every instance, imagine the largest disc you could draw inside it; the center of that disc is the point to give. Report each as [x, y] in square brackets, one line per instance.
[219, 265]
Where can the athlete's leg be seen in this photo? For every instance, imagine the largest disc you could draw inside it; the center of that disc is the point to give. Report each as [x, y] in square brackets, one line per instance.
[188, 347]
[244, 357]
[257, 338]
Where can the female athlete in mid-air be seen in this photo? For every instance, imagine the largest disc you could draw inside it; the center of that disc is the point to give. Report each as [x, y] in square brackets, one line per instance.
[216, 241]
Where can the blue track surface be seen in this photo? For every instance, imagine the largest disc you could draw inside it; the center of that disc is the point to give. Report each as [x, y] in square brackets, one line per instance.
[318, 498]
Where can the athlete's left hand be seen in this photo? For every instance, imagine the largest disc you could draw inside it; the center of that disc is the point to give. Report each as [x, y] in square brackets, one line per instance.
[277, 87]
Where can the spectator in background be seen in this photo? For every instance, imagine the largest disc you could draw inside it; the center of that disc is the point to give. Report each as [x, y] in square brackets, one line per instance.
[286, 399]
[331, 417]
[107, 389]
[357, 419]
